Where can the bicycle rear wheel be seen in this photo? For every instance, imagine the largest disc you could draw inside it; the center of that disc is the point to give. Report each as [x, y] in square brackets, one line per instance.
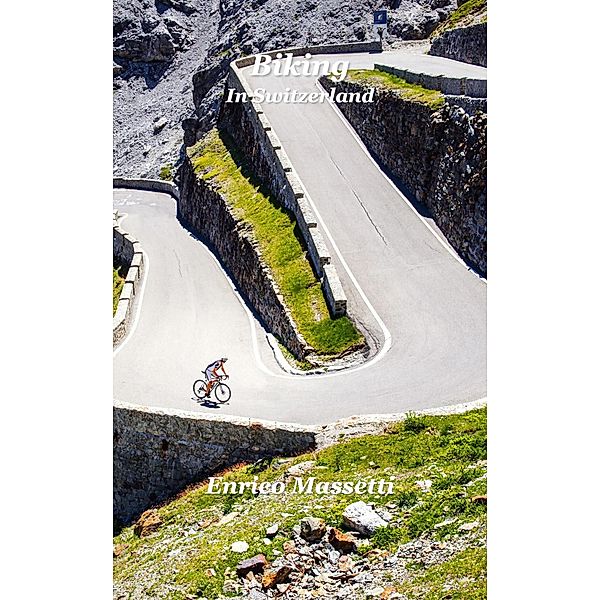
[199, 389]
[222, 393]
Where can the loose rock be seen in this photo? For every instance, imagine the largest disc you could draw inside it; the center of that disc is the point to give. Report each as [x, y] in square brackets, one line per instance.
[312, 529]
[468, 526]
[148, 523]
[228, 518]
[342, 541]
[256, 564]
[159, 125]
[276, 576]
[239, 547]
[119, 549]
[424, 485]
[301, 468]
[364, 519]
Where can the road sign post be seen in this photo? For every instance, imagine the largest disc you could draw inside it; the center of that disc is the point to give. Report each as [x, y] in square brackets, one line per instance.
[380, 23]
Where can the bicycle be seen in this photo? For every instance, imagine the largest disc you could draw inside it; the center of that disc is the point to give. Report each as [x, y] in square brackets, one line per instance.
[222, 390]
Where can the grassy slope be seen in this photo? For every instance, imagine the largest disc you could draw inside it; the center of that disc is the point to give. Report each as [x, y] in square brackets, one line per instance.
[408, 91]
[463, 577]
[449, 450]
[117, 287]
[166, 172]
[280, 247]
[471, 12]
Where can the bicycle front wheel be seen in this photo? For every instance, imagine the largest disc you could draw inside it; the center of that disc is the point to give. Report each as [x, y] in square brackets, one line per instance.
[222, 393]
[199, 389]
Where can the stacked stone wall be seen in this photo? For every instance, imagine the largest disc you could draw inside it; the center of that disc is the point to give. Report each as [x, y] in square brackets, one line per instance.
[205, 211]
[128, 255]
[467, 44]
[247, 124]
[438, 155]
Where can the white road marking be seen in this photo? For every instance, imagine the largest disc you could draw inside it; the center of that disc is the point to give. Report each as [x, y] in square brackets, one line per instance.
[387, 336]
[386, 333]
[362, 146]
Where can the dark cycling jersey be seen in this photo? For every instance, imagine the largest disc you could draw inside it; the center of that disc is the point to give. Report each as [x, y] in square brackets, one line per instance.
[217, 364]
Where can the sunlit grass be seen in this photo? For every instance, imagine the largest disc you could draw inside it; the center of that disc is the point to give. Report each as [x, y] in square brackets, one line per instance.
[117, 287]
[463, 16]
[449, 450]
[408, 91]
[215, 160]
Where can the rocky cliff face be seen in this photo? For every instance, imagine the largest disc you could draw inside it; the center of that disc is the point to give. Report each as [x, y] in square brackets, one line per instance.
[171, 56]
[441, 161]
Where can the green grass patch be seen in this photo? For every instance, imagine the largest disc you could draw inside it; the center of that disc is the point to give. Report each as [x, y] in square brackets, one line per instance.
[472, 11]
[217, 161]
[302, 365]
[118, 282]
[463, 577]
[449, 451]
[408, 91]
[166, 172]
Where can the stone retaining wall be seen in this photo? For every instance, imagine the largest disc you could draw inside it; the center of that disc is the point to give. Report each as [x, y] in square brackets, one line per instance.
[469, 105]
[374, 46]
[467, 44]
[456, 86]
[205, 211]
[127, 252]
[158, 453]
[249, 127]
[439, 156]
[151, 185]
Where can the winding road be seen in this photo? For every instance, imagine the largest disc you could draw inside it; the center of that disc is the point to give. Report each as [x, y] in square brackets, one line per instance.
[423, 311]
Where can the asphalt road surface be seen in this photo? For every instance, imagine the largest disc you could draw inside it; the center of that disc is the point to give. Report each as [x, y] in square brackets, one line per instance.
[422, 309]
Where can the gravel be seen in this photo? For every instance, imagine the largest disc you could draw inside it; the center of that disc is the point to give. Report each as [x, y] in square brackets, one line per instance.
[318, 570]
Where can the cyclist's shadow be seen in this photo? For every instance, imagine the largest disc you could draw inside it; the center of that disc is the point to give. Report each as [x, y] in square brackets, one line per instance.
[207, 403]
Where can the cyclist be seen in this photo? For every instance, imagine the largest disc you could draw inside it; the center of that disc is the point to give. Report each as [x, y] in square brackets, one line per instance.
[211, 373]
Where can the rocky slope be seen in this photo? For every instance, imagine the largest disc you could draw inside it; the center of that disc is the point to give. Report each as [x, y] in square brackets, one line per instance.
[425, 538]
[463, 35]
[170, 57]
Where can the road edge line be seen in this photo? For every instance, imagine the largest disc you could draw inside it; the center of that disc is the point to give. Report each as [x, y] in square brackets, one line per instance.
[364, 148]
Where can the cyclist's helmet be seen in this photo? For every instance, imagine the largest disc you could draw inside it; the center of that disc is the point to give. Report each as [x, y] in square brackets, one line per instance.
[224, 359]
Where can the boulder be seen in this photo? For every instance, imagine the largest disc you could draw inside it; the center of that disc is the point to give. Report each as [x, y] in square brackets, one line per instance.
[362, 518]
[256, 564]
[159, 125]
[184, 6]
[119, 549]
[343, 542]
[148, 523]
[239, 547]
[312, 529]
[276, 576]
[301, 468]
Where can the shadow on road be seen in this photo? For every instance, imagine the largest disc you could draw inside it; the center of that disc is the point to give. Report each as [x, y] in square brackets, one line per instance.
[207, 403]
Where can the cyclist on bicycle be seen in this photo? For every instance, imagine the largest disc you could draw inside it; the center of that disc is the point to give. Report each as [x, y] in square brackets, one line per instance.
[211, 374]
